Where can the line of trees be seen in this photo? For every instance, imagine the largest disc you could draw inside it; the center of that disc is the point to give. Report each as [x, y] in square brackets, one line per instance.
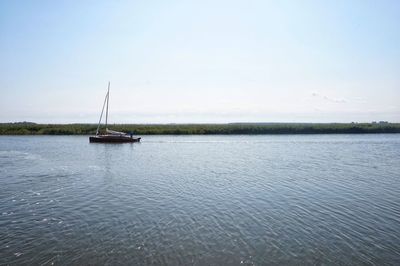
[201, 129]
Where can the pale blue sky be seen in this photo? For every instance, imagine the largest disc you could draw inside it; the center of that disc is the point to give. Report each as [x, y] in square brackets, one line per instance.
[200, 61]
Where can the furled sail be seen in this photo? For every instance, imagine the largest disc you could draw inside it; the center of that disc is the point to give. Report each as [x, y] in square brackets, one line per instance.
[113, 132]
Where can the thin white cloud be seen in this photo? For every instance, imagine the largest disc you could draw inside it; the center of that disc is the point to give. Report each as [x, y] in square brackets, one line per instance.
[328, 99]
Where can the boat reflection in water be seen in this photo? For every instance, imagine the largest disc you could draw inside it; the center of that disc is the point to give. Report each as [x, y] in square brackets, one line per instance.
[111, 136]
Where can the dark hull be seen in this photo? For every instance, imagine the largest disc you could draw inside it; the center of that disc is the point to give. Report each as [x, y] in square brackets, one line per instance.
[112, 139]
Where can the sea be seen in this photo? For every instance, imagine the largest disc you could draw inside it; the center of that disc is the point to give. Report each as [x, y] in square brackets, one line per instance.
[201, 200]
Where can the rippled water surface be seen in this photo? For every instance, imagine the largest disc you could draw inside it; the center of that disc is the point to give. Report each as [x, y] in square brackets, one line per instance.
[201, 200]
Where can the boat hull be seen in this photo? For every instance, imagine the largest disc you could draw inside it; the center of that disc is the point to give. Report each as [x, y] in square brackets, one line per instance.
[112, 139]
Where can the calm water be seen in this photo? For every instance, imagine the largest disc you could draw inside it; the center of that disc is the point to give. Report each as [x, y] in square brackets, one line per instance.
[201, 200]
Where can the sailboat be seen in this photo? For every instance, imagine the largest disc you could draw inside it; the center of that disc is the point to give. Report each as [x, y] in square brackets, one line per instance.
[110, 136]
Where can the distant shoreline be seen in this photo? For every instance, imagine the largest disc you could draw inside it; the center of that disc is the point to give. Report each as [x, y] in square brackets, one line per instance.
[203, 129]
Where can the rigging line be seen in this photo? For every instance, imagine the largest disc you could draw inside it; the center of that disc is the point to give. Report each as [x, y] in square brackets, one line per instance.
[101, 115]
[108, 99]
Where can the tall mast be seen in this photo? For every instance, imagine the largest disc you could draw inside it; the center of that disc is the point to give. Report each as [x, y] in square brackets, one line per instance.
[108, 99]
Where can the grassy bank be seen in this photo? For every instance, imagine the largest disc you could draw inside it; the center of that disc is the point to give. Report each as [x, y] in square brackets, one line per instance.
[202, 129]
